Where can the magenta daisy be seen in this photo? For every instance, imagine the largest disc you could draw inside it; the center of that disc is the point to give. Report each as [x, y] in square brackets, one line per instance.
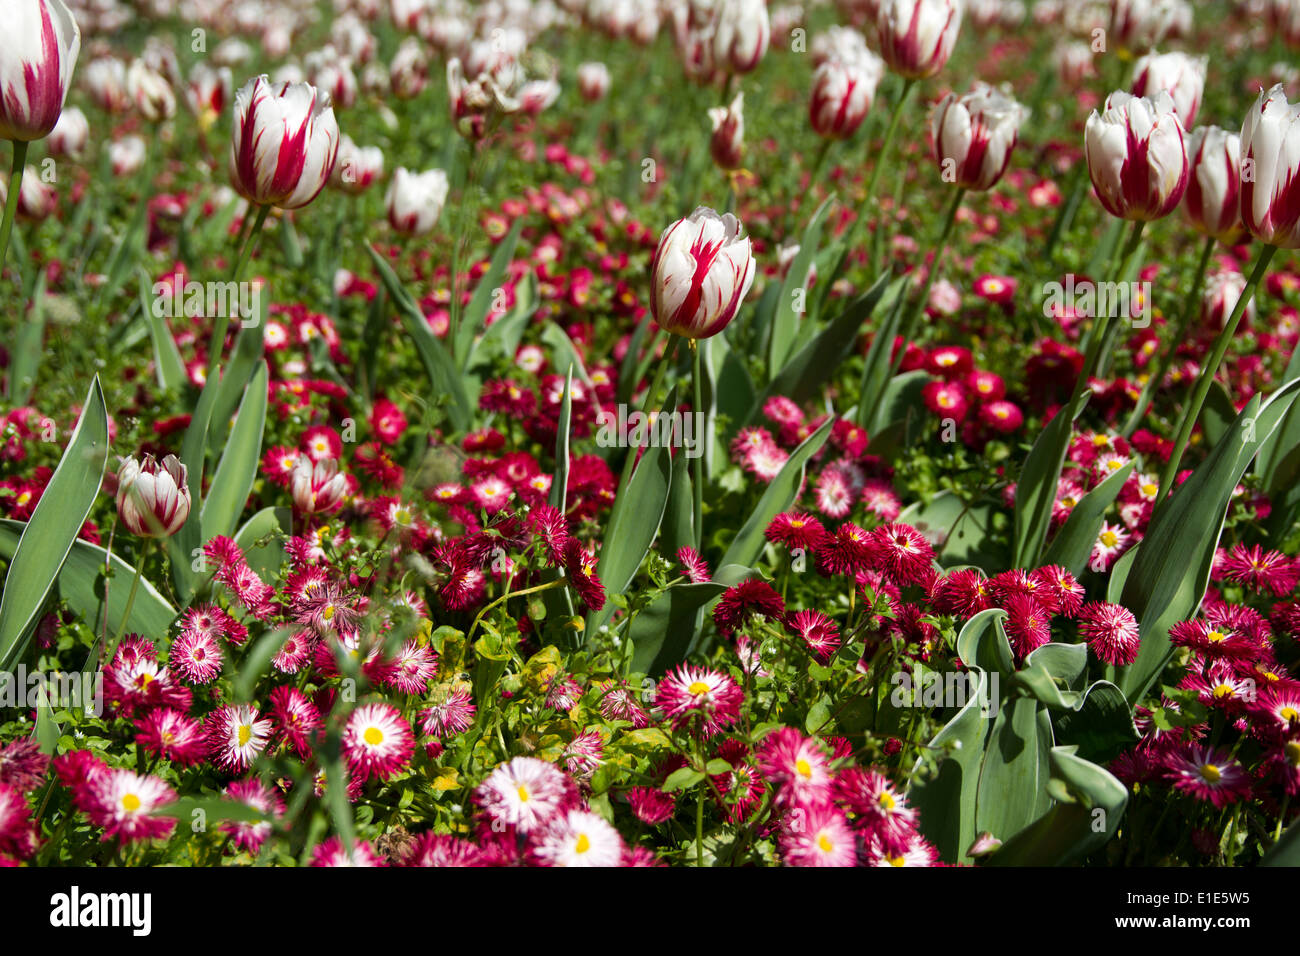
[526, 793]
[578, 838]
[450, 713]
[651, 805]
[879, 808]
[1111, 631]
[249, 835]
[584, 754]
[236, 736]
[172, 735]
[700, 698]
[749, 598]
[196, 657]
[297, 719]
[18, 837]
[918, 852]
[1206, 774]
[124, 803]
[819, 632]
[1060, 591]
[903, 553]
[333, 853]
[412, 669]
[817, 835]
[795, 530]
[1028, 626]
[797, 766]
[1260, 569]
[377, 741]
[440, 849]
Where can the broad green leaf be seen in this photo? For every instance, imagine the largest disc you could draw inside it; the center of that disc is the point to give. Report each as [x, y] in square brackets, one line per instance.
[794, 292]
[664, 632]
[1039, 478]
[233, 480]
[1172, 568]
[235, 375]
[1217, 415]
[633, 522]
[983, 643]
[778, 496]
[963, 534]
[266, 559]
[49, 535]
[29, 348]
[474, 318]
[1101, 726]
[168, 364]
[182, 546]
[1286, 852]
[1013, 779]
[502, 336]
[1074, 542]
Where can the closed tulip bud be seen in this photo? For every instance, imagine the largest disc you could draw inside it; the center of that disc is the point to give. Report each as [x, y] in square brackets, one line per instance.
[842, 94]
[1270, 170]
[593, 81]
[36, 200]
[536, 95]
[1222, 290]
[1213, 201]
[839, 43]
[207, 93]
[285, 143]
[741, 34]
[105, 80]
[38, 51]
[415, 200]
[473, 102]
[153, 500]
[1138, 25]
[335, 77]
[150, 92]
[408, 73]
[70, 134]
[358, 167]
[1073, 62]
[1136, 156]
[917, 36]
[728, 141]
[974, 135]
[1179, 75]
[317, 487]
[127, 156]
[701, 272]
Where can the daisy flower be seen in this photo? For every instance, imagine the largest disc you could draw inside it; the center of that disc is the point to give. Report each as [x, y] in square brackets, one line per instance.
[1111, 631]
[962, 593]
[797, 766]
[880, 500]
[1028, 626]
[297, 720]
[377, 741]
[620, 703]
[583, 754]
[451, 713]
[412, 669]
[749, 598]
[526, 793]
[124, 802]
[846, 551]
[580, 567]
[699, 696]
[1213, 641]
[1112, 541]
[879, 809]
[1277, 712]
[441, 849]
[1206, 774]
[919, 852]
[1260, 569]
[651, 805]
[696, 569]
[196, 657]
[795, 531]
[819, 632]
[741, 788]
[236, 735]
[172, 735]
[817, 836]
[1061, 593]
[332, 853]
[578, 838]
[833, 494]
[249, 835]
[903, 553]
[17, 831]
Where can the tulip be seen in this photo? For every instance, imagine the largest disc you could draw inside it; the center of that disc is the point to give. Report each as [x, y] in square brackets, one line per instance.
[1270, 182]
[358, 167]
[728, 141]
[1136, 156]
[842, 94]
[701, 272]
[153, 500]
[415, 200]
[127, 156]
[1222, 290]
[285, 143]
[593, 81]
[536, 95]
[36, 199]
[839, 43]
[70, 134]
[1074, 62]
[473, 102]
[317, 487]
[1138, 25]
[1179, 75]
[974, 135]
[150, 92]
[917, 36]
[334, 76]
[105, 81]
[1214, 184]
[741, 34]
[207, 93]
[37, 54]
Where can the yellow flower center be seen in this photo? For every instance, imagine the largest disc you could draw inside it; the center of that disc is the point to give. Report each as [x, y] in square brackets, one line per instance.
[697, 688]
[130, 803]
[1149, 488]
[245, 734]
[824, 842]
[1109, 539]
[803, 768]
[1289, 714]
[1292, 752]
[328, 613]
[1216, 637]
[583, 844]
[523, 794]
[374, 736]
[1210, 773]
[886, 801]
[896, 860]
[1223, 690]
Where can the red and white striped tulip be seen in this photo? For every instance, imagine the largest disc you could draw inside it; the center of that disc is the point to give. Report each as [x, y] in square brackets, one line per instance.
[593, 81]
[105, 80]
[1213, 202]
[285, 143]
[207, 93]
[843, 92]
[974, 135]
[701, 272]
[1222, 292]
[150, 92]
[38, 51]
[727, 145]
[153, 500]
[1138, 25]
[917, 36]
[415, 200]
[70, 134]
[127, 156]
[1137, 156]
[357, 168]
[741, 34]
[317, 487]
[1179, 75]
[1270, 162]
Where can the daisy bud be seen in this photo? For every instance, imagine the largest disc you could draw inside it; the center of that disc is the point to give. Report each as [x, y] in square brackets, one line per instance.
[37, 54]
[153, 500]
[1179, 75]
[1136, 156]
[285, 143]
[741, 34]
[728, 142]
[842, 94]
[917, 36]
[1270, 170]
[70, 134]
[317, 487]
[415, 200]
[974, 135]
[150, 92]
[1214, 183]
[701, 272]
[593, 81]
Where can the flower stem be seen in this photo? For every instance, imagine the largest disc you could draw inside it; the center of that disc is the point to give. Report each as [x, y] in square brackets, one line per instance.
[1099, 333]
[869, 200]
[218, 343]
[11, 203]
[697, 465]
[130, 598]
[1166, 358]
[1193, 411]
[661, 370]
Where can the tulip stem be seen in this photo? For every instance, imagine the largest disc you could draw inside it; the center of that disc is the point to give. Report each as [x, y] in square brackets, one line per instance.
[11, 202]
[217, 346]
[130, 598]
[670, 352]
[1099, 333]
[697, 466]
[940, 246]
[1209, 371]
[869, 200]
[1166, 358]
